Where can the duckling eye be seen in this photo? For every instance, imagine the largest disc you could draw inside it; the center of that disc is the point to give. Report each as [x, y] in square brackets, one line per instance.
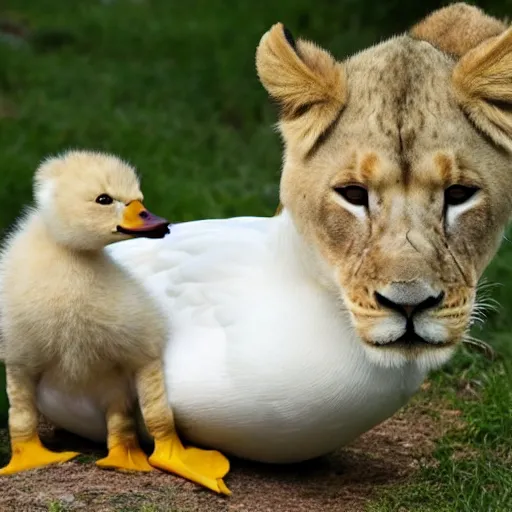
[104, 199]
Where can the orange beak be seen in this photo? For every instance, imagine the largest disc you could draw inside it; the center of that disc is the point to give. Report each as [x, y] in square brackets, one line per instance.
[137, 221]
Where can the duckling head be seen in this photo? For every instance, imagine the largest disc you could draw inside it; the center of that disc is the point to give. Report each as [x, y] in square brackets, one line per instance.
[89, 200]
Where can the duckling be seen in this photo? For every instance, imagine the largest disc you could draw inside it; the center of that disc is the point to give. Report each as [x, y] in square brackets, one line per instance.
[70, 313]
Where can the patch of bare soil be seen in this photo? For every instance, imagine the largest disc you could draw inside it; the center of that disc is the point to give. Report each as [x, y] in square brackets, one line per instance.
[344, 481]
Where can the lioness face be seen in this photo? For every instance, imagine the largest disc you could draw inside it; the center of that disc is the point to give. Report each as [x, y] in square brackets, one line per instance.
[402, 189]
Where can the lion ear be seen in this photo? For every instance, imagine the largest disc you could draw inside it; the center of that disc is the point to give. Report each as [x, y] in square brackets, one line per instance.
[482, 81]
[306, 82]
[458, 28]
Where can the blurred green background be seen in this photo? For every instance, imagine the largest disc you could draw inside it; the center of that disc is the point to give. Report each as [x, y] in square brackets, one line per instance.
[172, 87]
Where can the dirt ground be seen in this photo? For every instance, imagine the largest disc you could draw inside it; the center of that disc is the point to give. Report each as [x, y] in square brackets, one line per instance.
[343, 481]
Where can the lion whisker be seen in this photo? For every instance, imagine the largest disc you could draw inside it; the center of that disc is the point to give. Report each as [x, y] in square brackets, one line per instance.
[480, 344]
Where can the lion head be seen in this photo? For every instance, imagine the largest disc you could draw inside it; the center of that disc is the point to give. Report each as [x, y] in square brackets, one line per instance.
[397, 170]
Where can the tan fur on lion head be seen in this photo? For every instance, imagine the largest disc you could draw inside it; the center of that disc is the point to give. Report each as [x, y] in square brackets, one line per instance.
[458, 28]
[405, 120]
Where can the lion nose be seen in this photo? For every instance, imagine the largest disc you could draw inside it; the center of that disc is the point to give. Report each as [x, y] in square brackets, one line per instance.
[409, 299]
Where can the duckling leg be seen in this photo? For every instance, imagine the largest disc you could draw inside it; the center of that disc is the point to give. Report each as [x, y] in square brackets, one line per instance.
[27, 450]
[205, 467]
[124, 452]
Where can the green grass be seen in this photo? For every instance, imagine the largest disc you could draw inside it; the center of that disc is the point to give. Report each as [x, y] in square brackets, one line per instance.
[86, 458]
[57, 506]
[171, 86]
[148, 508]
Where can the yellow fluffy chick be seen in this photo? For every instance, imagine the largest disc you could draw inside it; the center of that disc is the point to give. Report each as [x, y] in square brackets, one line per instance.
[69, 312]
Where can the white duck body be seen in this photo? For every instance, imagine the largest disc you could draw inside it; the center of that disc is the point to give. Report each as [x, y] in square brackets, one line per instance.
[263, 362]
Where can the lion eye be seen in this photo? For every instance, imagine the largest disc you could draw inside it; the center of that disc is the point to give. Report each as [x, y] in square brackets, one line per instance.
[458, 194]
[354, 194]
